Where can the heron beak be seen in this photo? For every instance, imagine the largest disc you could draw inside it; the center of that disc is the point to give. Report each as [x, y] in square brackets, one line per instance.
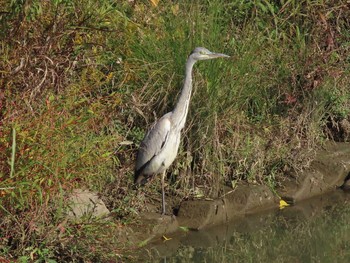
[218, 55]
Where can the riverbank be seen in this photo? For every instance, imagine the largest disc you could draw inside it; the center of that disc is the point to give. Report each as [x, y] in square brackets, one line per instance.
[329, 171]
[311, 229]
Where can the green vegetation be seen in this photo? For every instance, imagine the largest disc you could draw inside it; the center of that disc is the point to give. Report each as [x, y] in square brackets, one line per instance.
[81, 81]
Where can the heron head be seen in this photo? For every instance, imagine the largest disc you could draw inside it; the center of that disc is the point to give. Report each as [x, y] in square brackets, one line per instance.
[201, 53]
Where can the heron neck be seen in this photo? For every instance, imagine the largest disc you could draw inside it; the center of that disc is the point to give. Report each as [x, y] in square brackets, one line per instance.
[181, 108]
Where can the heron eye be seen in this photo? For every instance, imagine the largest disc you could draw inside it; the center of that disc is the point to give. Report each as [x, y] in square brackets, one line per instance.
[202, 52]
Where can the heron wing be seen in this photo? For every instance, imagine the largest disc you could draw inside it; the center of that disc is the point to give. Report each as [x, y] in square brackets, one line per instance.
[153, 143]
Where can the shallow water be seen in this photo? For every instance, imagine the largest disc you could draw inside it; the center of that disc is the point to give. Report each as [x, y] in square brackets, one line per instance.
[316, 230]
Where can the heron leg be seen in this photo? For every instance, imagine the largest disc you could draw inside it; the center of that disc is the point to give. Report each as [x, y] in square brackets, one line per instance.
[163, 194]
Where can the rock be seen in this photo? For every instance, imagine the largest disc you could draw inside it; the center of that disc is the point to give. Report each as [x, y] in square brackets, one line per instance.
[83, 203]
[244, 199]
[327, 172]
[247, 199]
[196, 214]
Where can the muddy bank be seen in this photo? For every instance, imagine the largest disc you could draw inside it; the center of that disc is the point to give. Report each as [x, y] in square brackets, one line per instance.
[222, 235]
[329, 170]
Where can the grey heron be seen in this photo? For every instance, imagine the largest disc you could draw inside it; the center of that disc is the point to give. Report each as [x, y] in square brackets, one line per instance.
[159, 147]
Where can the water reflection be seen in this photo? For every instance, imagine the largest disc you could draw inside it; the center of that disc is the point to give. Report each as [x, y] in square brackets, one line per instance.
[317, 230]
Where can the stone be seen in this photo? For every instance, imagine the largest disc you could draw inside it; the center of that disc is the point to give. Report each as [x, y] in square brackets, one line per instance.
[326, 173]
[83, 203]
[247, 199]
[236, 203]
[197, 214]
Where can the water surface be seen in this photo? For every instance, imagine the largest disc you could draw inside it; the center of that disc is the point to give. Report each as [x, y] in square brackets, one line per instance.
[315, 230]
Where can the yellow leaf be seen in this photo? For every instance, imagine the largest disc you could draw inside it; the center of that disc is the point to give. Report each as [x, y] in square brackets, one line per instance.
[166, 238]
[154, 2]
[283, 204]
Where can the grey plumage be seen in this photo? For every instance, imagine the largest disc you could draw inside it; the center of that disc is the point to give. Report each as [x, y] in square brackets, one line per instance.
[159, 147]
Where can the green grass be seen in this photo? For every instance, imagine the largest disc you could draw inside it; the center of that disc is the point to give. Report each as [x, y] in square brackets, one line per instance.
[13, 155]
[95, 75]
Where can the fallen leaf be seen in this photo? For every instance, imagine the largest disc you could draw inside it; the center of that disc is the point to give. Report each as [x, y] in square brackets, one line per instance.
[283, 204]
[166, 238]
